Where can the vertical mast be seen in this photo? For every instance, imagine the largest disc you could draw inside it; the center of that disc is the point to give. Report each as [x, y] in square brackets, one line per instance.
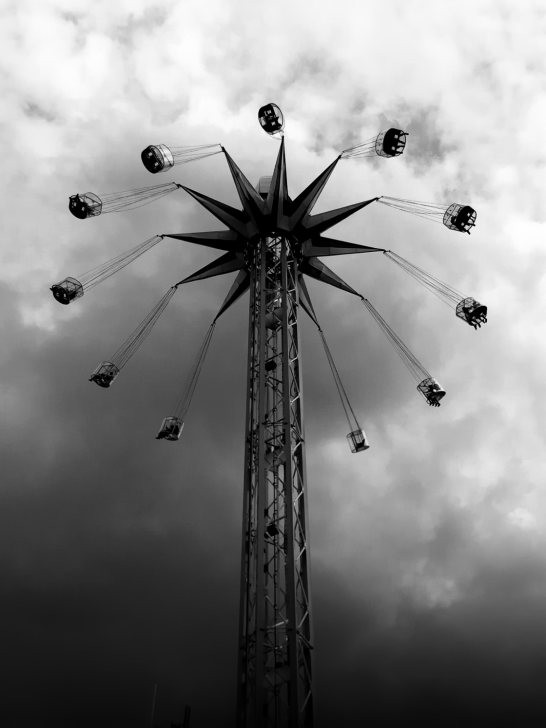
[274, 671]
[152, 718]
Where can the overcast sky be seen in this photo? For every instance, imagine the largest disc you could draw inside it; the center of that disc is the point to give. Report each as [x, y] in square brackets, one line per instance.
[119, 556]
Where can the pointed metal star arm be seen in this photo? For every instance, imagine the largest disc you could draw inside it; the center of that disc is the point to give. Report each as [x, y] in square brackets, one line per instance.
[315, 224]
[250, 199]
[240, 285]
[320, 246]
[224, 264]
[219, 239]
[230, 216]
[304, 202]
[315, 268]
[305, 300]
[277, 197]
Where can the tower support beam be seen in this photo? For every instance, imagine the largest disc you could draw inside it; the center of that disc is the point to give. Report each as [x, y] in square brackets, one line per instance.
[275, 632]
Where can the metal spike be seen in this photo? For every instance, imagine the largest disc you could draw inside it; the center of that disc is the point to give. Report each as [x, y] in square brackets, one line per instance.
[235, 219]
[224, 264]
[250, 199]
[315, 268]
[304, 202]
[315, 224]
[277, 199]
[219, 239]
[305, 300]
[319, 246]
[240, 285]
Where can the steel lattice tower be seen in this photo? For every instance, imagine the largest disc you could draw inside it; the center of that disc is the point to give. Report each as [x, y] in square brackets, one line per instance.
[272, 241]
[274, 670]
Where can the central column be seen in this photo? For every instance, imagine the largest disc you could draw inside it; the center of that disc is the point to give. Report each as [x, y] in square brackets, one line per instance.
[274, 670]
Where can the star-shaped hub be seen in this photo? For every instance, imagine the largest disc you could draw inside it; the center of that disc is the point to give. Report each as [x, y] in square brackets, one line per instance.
[272, 214]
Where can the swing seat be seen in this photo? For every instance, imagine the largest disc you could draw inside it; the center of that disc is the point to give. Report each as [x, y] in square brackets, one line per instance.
[67, 290]
[104, 374]
[390, 143]
[271, 118]
[357, 441]
[472, 311]
[85, 205]
[431, 391]
[157, 158]
[171, 429]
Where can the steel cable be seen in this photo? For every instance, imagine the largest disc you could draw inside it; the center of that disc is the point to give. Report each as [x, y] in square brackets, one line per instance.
[414, 366]
[428, 210]
[130, 199]
[185, 399]
[347, 408]
[97, 275]
[444, 292]
[137, 337]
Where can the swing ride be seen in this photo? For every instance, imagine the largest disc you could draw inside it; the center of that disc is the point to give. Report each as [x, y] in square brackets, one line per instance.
[272, 244]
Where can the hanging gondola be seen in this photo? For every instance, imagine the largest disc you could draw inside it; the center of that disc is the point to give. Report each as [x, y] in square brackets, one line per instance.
[107, 371]
[388, 144]
[67, 290]
[461, 218]
[159, 157]
[71, 288]
[431, 390]
[356, 438]
[171, 427]
[472, 311]
[466, 308]
[88, 204]
[104, 374]
[271, 119]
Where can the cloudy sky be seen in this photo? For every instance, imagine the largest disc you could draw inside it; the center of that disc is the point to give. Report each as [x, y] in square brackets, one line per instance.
[119, 554]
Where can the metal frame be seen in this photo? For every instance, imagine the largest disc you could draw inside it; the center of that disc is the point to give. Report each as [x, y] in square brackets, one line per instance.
[275, 632]
[271, 242]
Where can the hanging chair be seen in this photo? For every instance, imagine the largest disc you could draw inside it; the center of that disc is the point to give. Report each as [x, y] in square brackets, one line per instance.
[171, 429]
[71, 288]
[67, 290]
[431, 391]
[390, 143]
[271, 118]
[466, 307]
[460, 217]
[357, 441]
[104, 374]
[472, 311]
[157, 158]
[84, 205]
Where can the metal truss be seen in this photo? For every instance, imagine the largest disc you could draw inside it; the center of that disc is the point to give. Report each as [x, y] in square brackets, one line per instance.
[272, 242]
[275, 633]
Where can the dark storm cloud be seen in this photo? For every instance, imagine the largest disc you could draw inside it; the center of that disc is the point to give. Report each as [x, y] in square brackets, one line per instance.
[439, 665]
[93, 533]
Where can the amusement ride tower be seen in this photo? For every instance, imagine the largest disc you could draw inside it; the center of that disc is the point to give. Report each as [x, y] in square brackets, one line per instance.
[272, 242]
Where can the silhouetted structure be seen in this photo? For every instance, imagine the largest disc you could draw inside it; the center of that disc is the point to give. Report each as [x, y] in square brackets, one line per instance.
[272, 243]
